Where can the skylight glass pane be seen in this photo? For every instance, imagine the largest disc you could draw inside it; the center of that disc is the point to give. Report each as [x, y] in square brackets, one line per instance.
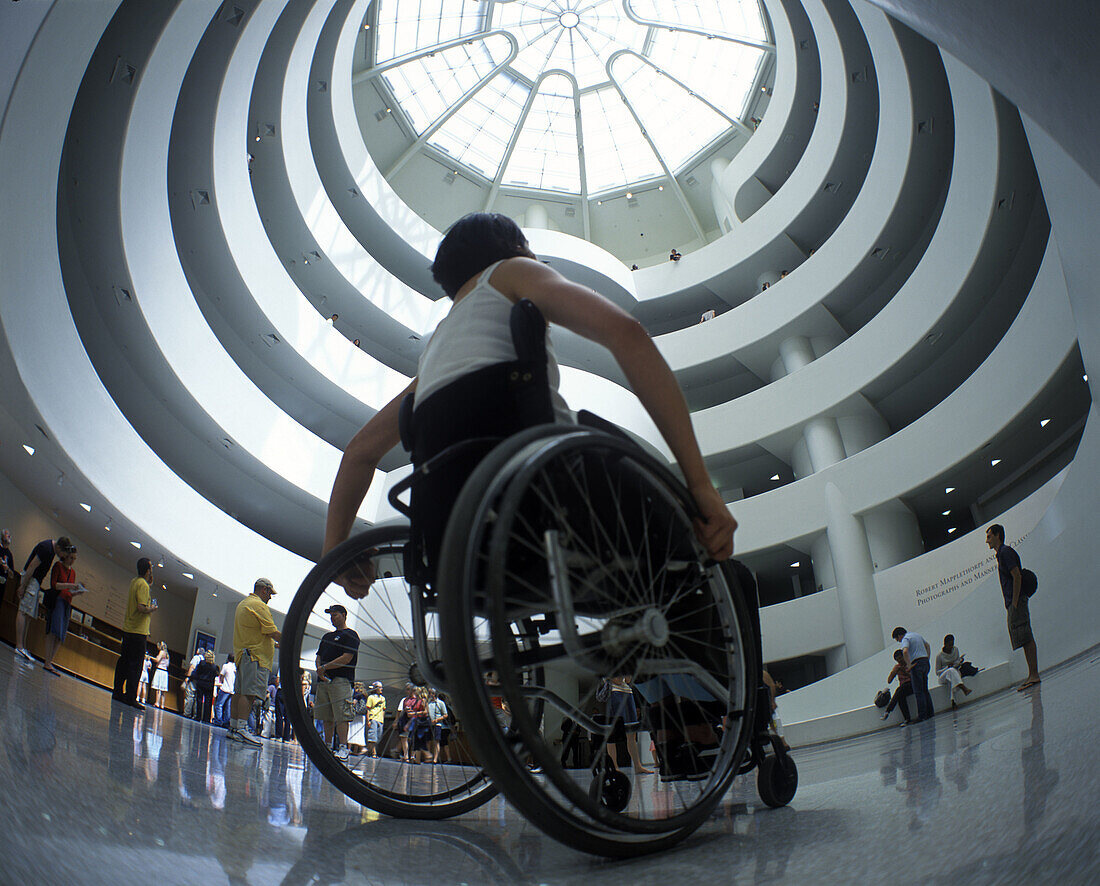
[478, 133]
[720, 71]
[680, 124]
[546, 43]
[427, 87]
[615, 151]
[735, 18]
[545, 155]
[423, 24]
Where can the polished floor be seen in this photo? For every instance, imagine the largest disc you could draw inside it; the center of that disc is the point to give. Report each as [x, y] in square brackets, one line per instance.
[1004, 791]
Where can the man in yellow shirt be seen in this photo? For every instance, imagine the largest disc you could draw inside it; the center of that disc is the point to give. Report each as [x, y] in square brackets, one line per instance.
[376, 715]
[254, 639]
[135, 636]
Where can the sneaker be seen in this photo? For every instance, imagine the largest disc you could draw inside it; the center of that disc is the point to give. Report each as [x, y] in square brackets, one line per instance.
[26, 655]
[342, 755]
[883, 716]
[243, 738]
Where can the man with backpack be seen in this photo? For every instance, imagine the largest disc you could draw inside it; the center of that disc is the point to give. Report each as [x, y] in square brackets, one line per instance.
[1017, 584]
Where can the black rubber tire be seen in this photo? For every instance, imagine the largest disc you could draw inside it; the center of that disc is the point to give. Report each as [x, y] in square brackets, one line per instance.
[455, 798]
[471, 523]
[611, 788]
[777, 780]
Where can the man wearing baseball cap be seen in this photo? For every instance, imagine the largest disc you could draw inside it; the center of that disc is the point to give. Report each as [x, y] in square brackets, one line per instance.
[376, 716]
[336, 658]
[254, 639]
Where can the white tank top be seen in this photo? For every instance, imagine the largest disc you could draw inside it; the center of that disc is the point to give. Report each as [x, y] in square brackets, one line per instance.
[476, 333]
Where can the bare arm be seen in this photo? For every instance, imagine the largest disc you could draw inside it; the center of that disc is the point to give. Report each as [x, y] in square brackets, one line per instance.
[26, 577]
[1017, 583]
[583, 311]
[377, 437]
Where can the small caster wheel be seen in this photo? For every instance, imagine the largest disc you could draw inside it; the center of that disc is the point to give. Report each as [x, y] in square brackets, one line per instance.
[610, 788]
[777, 781]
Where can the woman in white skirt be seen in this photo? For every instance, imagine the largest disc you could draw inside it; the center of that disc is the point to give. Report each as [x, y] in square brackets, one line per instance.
[357, 728]
[948, 660]
[143, 686]
[160, 675]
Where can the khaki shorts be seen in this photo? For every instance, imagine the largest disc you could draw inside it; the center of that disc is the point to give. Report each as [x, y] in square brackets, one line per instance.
[29, 604]
[332, 703]
[251, 677]
[1019, 624]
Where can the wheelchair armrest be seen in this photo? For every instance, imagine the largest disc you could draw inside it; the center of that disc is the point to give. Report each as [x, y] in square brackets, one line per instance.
[433, 464]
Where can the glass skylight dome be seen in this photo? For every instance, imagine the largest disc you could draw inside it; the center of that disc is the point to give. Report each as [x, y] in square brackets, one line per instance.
[570, 96]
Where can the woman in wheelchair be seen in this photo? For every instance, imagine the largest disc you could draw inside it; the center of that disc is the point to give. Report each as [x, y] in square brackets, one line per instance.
[548, 552]
[486, 267]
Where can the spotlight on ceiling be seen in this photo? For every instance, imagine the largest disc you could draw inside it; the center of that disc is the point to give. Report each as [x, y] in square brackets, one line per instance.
[774, 477]
[949, 490]
[1044, 422]
[952, 529]
[947, 513]
[189, 575]
[28, 449]
[994, 462]
[136, 544]
[796, 564]
[86, 507]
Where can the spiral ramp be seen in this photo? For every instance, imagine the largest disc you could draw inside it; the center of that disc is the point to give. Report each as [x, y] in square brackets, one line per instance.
[208, 286]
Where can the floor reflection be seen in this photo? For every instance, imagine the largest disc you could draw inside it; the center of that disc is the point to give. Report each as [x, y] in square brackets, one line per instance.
[979, 796]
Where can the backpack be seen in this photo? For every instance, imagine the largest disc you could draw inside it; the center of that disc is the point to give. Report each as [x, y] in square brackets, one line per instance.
[603, 693]
[882, 698]
[1029, 582]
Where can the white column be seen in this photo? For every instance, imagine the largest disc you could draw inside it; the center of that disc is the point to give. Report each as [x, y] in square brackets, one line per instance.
[855, 582]
[822, 558]
[823, 442]
[796, 352]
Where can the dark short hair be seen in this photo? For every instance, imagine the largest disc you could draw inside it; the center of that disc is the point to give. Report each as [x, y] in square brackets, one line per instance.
[64, 545]
[230, 658]
[898, 631]
[898, 655]
[473, 243]
[950, 637]
[998, 530]
[144, 565]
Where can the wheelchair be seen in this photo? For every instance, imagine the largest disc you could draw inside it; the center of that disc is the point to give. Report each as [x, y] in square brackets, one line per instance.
[552, 556]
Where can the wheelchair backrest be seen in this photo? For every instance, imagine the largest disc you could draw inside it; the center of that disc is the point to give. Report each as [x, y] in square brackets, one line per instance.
[486, 406]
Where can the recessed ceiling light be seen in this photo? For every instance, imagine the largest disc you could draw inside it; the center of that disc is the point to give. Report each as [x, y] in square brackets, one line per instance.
[949, 490]
[1085, 377]
[1044, 422]
[629, 196]
[947, 513]
[188, 575]
[29, 449]
[107, 526]
[952, 529]
[136, 544]
[164, 587]
[796, 564]
[86, 507]
[214, 594]
[662, 187]
[775, 477]
[994, 462]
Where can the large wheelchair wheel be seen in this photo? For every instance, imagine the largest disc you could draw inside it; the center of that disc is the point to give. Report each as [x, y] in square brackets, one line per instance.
[577, 537]
[390, 621]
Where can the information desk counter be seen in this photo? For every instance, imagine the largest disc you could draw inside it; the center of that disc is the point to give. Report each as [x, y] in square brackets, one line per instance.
[90, 651]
